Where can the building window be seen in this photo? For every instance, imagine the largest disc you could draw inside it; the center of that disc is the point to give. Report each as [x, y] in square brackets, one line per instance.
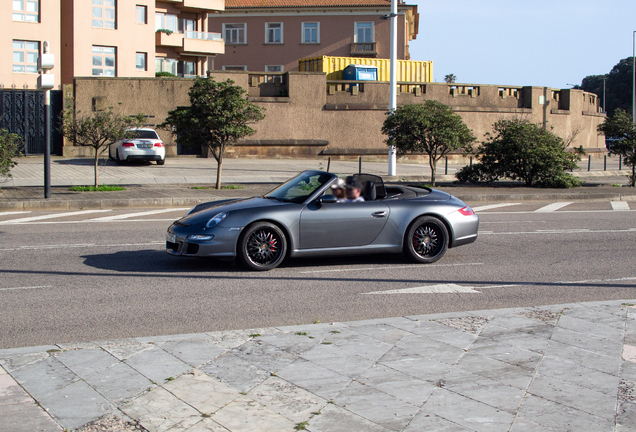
[26, 10]
[165, 22]
[276, 68]
[140, 61]
[104, 61]
[234, 68]
[166, 65]
[187, 69]
[274, 33]
[141, 14]
[104, 14]
[234, 33]
[25, 56]
[311, 32]
[363, 32]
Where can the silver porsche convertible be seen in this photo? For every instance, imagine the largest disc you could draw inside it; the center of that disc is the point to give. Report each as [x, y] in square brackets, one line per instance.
[302, 218]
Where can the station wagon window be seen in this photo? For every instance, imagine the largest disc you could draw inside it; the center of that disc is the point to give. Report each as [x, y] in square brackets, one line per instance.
[104, 14]
[234, 33]
[310, 32]
[274, 33]
[363, 32]
[26, 10]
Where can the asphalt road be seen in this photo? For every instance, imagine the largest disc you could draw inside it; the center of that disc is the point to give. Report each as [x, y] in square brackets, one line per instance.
[68, 278]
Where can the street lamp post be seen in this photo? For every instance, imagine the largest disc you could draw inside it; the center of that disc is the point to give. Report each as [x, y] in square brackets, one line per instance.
[46, 82]
[634, 78]
[393, 80]
[604, 79]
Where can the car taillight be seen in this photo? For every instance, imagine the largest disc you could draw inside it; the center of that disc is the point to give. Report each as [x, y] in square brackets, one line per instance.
[127, 144]
[159, 144]
[466, 211]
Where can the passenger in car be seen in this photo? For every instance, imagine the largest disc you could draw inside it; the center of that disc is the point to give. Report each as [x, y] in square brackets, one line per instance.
[338, 190]
[354, 189]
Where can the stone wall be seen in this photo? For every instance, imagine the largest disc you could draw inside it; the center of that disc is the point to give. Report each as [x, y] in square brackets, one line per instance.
[306, 115]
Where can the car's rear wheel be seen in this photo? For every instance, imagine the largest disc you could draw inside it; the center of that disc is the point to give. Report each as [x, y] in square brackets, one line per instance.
[161, 161]
[262, 246]
[426, 240]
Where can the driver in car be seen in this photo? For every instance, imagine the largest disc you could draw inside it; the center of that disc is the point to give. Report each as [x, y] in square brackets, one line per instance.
[354, 189]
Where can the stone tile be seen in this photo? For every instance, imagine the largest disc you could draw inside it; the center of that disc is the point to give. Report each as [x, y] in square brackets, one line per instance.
[496, 370]
[75, 405]
[193, 352]
[514, 322]
[582, 357]
[382, 332]
[573, 396]
[45, 377]
[524, 425]
[235, 372]
[264, 356]
[551, 414]
[456, 338]
[228, 340]
[428, 348]
[11, 352]
[397, 384]
[295, 344]
[507, 353]
[202, 392]
[336, 419]
[124, 352]
[628, 371]
[596, 315]
[314, 329]
[333, 358]
[467, 412]
[395, 322]
[159, 410]
[157, 365]
[376, 406]
[287, 399]
[626, 416]
[426, 422]
[312, 377]
[206, 425]
[588, 342]
[11, 392]
[172, 338]
[21, 417]
[118, 383]
[86, 361]
[485, 390]
[579, 375]
[593, 328]
[247, 415]
[418, 367]
[17, 361]
[531, 339]
[354, 343]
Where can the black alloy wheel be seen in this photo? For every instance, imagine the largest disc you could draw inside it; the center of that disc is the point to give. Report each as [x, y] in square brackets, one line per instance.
[262, 246]
[426, 240]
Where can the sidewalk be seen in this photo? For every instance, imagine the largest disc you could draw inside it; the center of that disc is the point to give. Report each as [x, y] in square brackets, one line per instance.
[552, 368]
[170, 185]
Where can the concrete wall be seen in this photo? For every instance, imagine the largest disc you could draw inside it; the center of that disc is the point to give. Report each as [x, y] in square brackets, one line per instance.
[306, 115]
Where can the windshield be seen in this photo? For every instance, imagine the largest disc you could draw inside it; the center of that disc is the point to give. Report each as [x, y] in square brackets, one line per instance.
[300, 188]
[144, 134]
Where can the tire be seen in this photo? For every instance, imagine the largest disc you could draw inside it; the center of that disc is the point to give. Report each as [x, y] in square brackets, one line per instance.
[262, 246]
[161, 161]
[426, 240]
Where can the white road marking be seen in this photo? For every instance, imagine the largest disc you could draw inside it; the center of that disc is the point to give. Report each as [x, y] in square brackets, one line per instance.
[50, 216]
[68, 246]
[92, 221]
[619, 205]
[564, 231]
[552, 207]
[11, 213]
[493, 206]
[132, 215]
[431, 289]
[26, 288]
[384, 268]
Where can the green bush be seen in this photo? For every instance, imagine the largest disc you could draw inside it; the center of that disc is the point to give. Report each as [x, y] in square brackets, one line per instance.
[523, 151]
[164, 74]
[9, 149]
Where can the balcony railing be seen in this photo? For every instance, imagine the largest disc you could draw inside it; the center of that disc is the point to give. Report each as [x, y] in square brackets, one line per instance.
[203, 36]
[196, 43]
[363, 49]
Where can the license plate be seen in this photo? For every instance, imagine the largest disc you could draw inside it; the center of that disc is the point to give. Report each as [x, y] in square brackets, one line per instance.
[171, 238]
[144, 145]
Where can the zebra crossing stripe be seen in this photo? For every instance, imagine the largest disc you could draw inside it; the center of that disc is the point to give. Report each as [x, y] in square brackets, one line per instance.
[494, 206]
[619, 205]
[11, 213]
[50, 216]
[552, 207]
[131, 215]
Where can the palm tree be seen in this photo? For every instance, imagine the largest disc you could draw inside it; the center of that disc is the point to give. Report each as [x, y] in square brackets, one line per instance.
[450, 78]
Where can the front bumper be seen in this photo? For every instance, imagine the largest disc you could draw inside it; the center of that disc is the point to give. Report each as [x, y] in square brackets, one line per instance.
[223, 243]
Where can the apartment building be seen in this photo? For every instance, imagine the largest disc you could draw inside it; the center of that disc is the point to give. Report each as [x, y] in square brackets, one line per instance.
[112, 38]
[272, 35]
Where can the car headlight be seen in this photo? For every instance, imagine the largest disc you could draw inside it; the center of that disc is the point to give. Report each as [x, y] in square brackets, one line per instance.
[216, 220]
[200, 237]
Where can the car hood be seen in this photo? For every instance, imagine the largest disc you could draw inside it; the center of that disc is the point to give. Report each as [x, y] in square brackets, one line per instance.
[204, 211]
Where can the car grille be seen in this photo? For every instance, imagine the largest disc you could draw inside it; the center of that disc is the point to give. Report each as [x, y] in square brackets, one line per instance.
[173, 246]
[192, 248]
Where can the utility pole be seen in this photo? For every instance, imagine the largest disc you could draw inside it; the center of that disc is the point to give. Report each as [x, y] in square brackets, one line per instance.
[46, 82]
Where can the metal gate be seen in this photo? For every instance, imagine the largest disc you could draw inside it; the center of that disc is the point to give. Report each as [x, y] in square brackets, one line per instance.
[22, 113]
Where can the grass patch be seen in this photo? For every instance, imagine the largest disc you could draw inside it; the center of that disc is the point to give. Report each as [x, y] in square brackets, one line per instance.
[200, 187]
[302, 333]
[301, 426]
[231, 186]
[101, 188]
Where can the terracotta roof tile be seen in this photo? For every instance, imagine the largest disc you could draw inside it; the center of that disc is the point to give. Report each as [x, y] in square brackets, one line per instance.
[236, 4]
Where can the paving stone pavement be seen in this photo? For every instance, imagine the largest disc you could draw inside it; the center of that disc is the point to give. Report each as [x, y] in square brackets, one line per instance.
[568, 367]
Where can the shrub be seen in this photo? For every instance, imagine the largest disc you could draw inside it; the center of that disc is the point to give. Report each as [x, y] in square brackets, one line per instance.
[9, 149]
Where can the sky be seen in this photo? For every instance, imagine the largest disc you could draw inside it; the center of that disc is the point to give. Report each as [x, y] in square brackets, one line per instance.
[550, 43]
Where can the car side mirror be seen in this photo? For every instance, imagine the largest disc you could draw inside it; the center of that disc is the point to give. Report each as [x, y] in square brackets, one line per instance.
[327, 199]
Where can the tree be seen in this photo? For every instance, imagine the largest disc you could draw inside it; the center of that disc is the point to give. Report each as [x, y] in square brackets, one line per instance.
[450, 78]
[432, 128]
[520, 150]
[621, 132]
[618, 87]
[217, 117]
[97, 130]
[9, 149]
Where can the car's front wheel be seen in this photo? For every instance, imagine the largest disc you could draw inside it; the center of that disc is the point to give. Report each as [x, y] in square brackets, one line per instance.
[426, 240]
[262, 246]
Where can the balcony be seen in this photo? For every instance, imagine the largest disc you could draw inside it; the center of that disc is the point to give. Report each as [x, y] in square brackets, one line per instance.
[360, 49]
[192, 43]
[197, 5]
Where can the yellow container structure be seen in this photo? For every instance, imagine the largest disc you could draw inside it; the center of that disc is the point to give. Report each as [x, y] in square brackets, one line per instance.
[407, 70]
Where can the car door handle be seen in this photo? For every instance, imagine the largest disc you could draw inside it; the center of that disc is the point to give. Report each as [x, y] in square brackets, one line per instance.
[379, 214]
